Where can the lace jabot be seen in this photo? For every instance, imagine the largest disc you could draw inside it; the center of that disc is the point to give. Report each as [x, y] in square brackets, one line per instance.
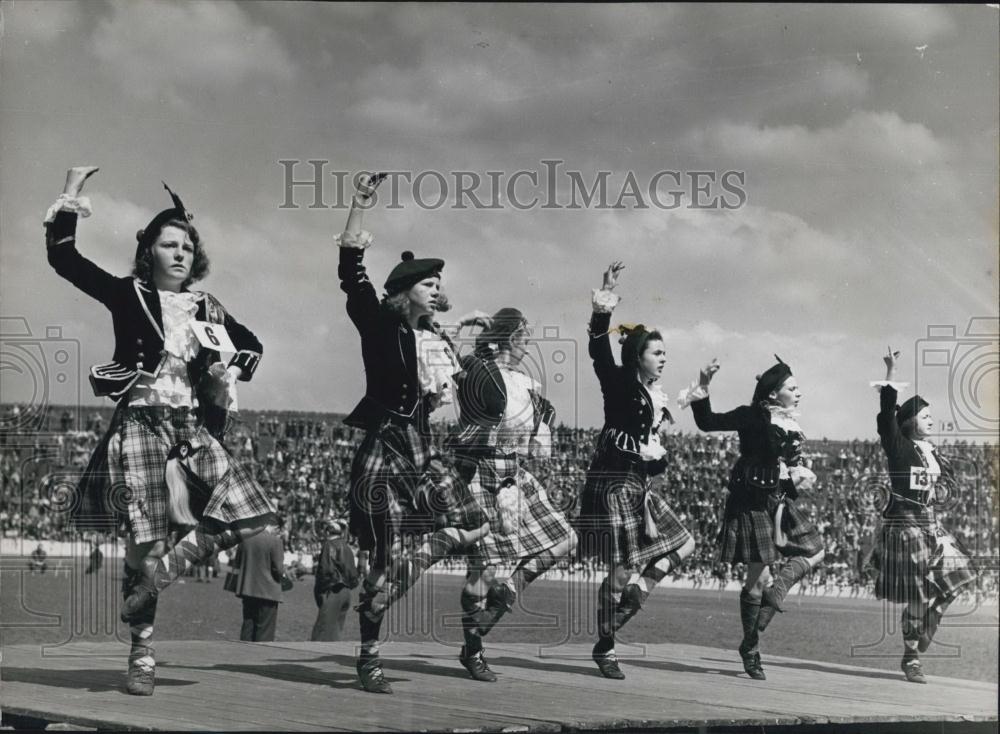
[436, 366]
[172, 385]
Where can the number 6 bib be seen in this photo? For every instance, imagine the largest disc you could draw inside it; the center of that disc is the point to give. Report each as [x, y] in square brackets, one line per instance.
[213, 336]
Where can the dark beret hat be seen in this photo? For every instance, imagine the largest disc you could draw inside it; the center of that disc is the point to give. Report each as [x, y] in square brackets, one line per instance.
[410, 271]
[909, 409]
[771, 380]
[147, 234]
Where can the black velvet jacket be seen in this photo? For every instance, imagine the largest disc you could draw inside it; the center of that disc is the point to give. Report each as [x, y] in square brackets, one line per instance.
[388, 350]
[912, 493]
[763, 445]
[628, 411]
[136, 318]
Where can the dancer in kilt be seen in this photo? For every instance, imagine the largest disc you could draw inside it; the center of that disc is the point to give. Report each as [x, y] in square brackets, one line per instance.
[629, 526]
[399, 489]
[504, 418]
[762, 524]
[160, 469]
[921, 565]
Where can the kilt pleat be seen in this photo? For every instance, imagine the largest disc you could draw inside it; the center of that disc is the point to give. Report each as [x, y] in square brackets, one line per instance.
[747, 533]
[401, 488]
[917, 562]
[136, 460]
[612, 523]
[539, 525]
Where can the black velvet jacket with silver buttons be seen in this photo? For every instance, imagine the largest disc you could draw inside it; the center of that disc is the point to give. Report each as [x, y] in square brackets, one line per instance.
[763, 446]
[136, 318]
[388, 350]
[628, 411]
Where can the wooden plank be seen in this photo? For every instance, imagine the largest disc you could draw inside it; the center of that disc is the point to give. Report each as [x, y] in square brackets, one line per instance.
[307, 686]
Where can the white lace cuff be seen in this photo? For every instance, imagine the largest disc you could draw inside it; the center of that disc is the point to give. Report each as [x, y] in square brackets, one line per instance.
[691, 394]
[65, 203]
[360, 241]
[605, 301]
[897, 386]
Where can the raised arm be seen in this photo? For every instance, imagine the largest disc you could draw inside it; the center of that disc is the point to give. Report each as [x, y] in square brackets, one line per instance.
[604, 302]
[60, 240]
[888, 430]
[701, 406]
[362, 300]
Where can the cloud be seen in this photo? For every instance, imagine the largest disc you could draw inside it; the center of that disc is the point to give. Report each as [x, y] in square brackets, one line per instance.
[160, 51]
[39, 20]
[863, 140]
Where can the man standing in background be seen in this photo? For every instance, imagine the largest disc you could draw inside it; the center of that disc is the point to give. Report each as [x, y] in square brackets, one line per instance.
[336, 575]
[260, 560]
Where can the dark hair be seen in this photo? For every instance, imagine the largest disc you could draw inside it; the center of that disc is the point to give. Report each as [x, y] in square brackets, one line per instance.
[909, 427]
[634, 345]
[143, 268]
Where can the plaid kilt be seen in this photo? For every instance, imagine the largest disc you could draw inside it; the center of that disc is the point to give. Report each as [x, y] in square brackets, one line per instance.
[97, 504]
[917, 562]
[401, 488]
[136, 457]
[612, 523]
[540, 525]
[747, 533]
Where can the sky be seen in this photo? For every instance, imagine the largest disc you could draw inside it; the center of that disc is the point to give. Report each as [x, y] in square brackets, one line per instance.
[864, 140]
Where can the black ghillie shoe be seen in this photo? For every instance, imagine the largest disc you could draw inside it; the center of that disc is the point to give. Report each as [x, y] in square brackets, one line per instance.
[371, 676]
[477, 666]
[913, 671]
[608, 665]
[141, 678]
[752, 666]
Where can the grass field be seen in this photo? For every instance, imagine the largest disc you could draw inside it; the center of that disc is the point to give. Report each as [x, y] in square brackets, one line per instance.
[65, 605]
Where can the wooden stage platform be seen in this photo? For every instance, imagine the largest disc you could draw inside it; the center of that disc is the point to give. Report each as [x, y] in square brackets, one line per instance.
[309, 686]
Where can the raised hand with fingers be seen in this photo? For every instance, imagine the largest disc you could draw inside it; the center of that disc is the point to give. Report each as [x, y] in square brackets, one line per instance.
[611, 275]
[76, 177]
[891, 359]
[708, 372]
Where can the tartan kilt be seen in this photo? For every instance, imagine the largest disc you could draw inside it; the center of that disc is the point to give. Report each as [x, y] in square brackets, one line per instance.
[135, 456]
[747, 533]
[612, 525]
[96, 503]
[913, 567]
[401, 488]
[540, 525]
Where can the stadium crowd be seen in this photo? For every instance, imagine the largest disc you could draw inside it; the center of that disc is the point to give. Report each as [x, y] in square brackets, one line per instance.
[304, 460]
